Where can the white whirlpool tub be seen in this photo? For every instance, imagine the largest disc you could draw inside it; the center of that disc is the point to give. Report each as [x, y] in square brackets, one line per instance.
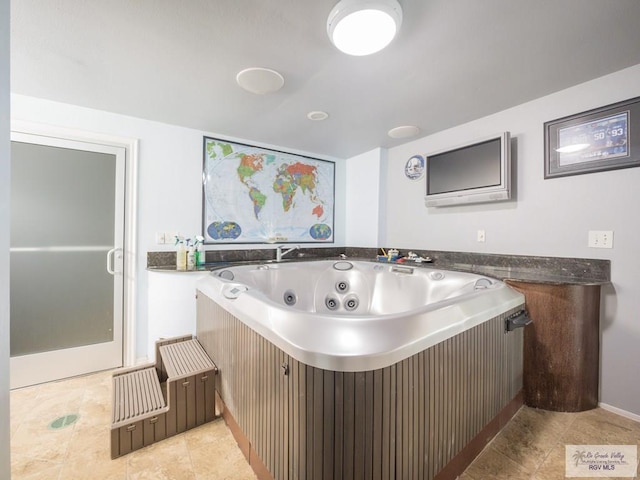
[351, 316]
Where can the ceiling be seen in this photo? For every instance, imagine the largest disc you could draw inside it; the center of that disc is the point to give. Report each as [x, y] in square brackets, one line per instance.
[176, 62]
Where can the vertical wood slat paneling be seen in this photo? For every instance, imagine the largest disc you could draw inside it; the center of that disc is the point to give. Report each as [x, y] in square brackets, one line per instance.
[404, 421]
[377, 399]
[308, 440]
[329, 422]
[392, 426]
[294, 394]
[404, 405]
[349, 425]
[318, 422]
[359, 425]
[338, 438]
[368, 424]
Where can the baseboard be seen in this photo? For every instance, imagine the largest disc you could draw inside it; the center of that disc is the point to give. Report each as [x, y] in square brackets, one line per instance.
[619, 411]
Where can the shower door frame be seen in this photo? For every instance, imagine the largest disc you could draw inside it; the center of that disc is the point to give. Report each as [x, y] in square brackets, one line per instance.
[51, 135]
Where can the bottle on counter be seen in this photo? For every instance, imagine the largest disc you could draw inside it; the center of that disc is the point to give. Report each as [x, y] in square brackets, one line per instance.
[200, 253]
[181, 254]
[191, 258]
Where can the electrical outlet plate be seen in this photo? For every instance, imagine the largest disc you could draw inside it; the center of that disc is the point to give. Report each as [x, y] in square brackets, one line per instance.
[600, 239]
[481, 236]
[160, 238]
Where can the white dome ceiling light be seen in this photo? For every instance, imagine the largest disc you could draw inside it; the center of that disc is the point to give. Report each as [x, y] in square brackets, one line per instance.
[363, 27]
[260, 80]
[317, 115]
[406, 131]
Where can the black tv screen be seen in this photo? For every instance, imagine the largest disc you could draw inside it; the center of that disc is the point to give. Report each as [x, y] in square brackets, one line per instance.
[476, 172]
[466, 168]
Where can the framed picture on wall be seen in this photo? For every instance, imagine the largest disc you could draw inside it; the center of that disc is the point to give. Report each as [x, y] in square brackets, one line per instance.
[257, 195]
[601, 139]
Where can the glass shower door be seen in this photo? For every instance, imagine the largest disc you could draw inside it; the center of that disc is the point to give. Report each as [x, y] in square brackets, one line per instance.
[66, 290]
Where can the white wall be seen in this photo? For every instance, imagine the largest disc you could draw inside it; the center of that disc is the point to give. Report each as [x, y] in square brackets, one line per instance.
[363, 199]
[169, 179]
[548, 218]
[5, 220]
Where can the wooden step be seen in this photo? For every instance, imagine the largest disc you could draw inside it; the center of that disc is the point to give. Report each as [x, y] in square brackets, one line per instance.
[184, 359]
[136, 395]
[155, 401]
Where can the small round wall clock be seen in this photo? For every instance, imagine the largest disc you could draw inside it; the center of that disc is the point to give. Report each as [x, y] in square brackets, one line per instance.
[414, 168]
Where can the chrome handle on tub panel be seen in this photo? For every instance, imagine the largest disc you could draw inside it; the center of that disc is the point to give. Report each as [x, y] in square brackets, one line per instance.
[517, 320]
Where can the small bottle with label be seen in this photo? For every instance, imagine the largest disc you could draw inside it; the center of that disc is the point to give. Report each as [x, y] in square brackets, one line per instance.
[201, 256]
[181, 254]
[191, 258]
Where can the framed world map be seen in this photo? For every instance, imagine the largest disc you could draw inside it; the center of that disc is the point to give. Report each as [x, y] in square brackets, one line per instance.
[257, 195]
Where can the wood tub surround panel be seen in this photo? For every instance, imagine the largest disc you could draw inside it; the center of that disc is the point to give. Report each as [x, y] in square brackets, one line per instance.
[561, 346]
[407, 420]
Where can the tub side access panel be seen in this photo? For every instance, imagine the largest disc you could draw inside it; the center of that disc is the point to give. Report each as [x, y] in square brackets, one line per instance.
[407, 420]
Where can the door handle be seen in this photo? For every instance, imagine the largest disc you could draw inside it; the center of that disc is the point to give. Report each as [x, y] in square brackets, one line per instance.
[110, 260]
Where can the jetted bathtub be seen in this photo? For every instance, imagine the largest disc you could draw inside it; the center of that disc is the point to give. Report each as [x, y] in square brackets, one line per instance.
[356, 315]
[347, 369]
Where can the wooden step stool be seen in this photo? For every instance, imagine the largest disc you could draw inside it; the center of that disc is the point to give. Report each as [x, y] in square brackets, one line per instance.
[155, 401]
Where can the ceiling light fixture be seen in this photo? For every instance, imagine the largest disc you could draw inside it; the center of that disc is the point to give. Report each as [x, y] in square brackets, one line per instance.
[363, 27]
[317, 115]
[406, 131]
[260, 80]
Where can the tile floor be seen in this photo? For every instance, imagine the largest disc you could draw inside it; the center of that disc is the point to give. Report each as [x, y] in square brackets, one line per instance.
[530, 447]
[82, 450]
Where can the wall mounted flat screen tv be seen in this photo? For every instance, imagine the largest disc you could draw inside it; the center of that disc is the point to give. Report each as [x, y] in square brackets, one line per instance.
[476, 172]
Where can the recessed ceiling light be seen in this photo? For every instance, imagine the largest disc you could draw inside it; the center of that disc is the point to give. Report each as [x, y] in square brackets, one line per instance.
[363, 27]
[405, 131]
[260, 80]
[317, 115]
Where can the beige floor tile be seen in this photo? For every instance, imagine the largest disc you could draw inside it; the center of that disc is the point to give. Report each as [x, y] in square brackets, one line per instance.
[531, 435]
[24, 467]
[168, 459]
[553, 467]
[95, 413]
[493, 465]
[465, 476]
[91, 443]
[209, 434]
[35, 440]
[78, 468]
[23, 397]
[600, 427]
[224, 462]
[47, 408]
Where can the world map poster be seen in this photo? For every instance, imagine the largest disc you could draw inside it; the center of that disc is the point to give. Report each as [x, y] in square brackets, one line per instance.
[257, 195]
